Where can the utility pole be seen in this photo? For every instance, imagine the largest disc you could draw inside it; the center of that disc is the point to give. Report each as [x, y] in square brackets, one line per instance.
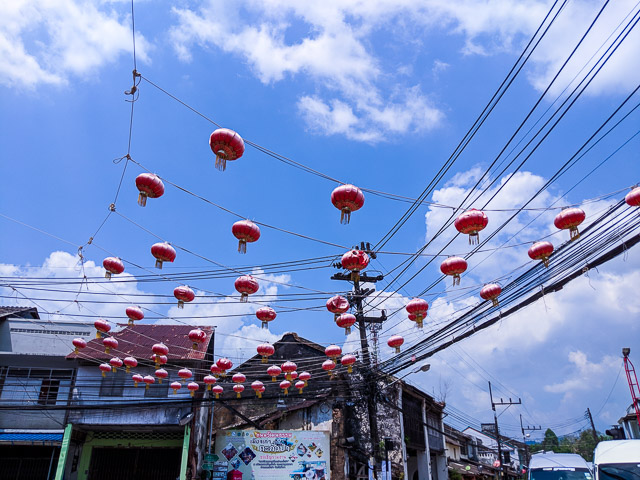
[524, 438]
[356, 300]
[593, 427]
[495, 420]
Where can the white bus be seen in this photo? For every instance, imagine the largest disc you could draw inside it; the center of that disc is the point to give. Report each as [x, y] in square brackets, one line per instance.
[559, 466]
[617, 460]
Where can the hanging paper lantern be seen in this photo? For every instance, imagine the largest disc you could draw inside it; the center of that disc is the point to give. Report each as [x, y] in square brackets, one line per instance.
[348, 361]
[115, 362]
[224, 364]
[102, 326]
[105, 368]
[161, 373]
[246, 232]
[305, 377]
[238, 378]
[454, 266]
[184, 374]
[328, 366]
[266, 315]
[197, 336]
[217, 389]
[541, 251]
[159, 360]
[287, 368]
[300, 385]
[293, 375]
[175, 386]
[265, 350]
[395, 342]
[491, 292]
[134, 313]
[355, 261]
[337, 305]
[333, 351]
[113, 266]
[227, 145]
[346, 321]
[109, 343]
[130, 363]
[417, 309]
[160, 349]
[274, 371]
[570, 218]
[193, 388]
[79, 344]
[238, 389]
[216, 370]
[149, 380]
[285, 385]
[183, 294]
[633, 197]
[150, 186]
[347, 199]
[257, 387]
[137, 378]
[470, 223]
[209, 380]
[246, 285]
[163, 252]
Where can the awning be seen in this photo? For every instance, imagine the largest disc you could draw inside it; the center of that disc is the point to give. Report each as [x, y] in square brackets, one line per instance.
[13, 438]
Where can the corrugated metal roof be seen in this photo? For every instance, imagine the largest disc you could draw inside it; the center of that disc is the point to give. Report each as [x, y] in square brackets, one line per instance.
[137, 341]
[6, 311]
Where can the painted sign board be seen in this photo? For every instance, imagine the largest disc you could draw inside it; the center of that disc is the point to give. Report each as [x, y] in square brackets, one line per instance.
[274, 454]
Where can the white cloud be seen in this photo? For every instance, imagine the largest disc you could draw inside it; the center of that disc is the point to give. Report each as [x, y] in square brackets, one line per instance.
[43, 42]
[586, 375]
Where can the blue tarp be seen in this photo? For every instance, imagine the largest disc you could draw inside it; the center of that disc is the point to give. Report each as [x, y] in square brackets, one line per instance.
[30, 437]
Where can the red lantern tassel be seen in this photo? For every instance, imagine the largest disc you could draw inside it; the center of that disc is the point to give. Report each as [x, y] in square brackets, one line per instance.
[107, 275]
[244, 297]
[286, 391]
[474, 238]
[221, 161]
[142, 199]
[545, 261]
[495, 302]
[574, 233]
[180, 304]
[345, 216]
[159, 264]
[242, 246]
[237, 394]
[264, 359]
[259, 394]
[347, 330]
[355, 276]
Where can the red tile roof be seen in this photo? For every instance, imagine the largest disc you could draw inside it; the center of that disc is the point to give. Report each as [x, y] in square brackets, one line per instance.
[137, 340]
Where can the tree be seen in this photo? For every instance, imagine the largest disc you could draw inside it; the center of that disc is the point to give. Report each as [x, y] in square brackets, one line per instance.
[550, 441]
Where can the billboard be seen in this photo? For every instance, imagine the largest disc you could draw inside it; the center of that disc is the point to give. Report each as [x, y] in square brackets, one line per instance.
[273, 454]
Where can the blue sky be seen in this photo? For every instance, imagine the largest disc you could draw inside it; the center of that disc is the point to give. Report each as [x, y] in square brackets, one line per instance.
[374, 93]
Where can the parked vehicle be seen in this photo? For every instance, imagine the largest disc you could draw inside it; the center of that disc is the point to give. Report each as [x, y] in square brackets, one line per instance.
[559, 466]
[617, 460]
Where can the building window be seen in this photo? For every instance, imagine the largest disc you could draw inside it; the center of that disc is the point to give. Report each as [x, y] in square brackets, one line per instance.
[49, 392]
[113, 384]
[413, 423]
[157, 390]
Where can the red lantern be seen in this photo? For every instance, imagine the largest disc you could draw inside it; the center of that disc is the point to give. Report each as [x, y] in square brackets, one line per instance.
[333, 351]
[216, 370]
[346, 321]
[115, 362]
[300, 385]
[137, 378]
[130, 363]
[246, 232]
[633, 197]
[293, 375]
[470, 223]
[337, 305]
[150, 186]
[102, 326]
[159, 359]
[246, 285]
[109, 343]
[209, 380]
[454, 266]
[265, 350]
[79, 343]
[161, 373]
[198, 337]
[184, 374]
[396, 342]
[238, 378]
[224, 364]
[274, 371]
[287, 368]
[105, 368]
[347, 199]
[348, 360]
[355, 261]
[163, 252]
[160, 349]
[417, 309]
[183, 294]
[570, 218]
[305, 377]
[285, 385]
[134, 313]
[238, 389]
[175, 386]
[149, 380]
[227, 145]
[193, 388]
[328, 366]
[266, 315]
[113, 266]
[257, 387]
[217, 390]
[491, 292]
[541, 251]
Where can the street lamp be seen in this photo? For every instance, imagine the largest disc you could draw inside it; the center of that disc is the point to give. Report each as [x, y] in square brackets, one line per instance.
[423, 368]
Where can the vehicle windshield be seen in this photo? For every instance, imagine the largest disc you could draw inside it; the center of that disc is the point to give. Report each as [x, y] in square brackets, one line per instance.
[619, 471]
[561, 473]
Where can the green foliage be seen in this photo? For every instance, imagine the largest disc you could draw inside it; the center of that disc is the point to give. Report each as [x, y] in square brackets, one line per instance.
[550, 440]
[453, 475]
[582, 444]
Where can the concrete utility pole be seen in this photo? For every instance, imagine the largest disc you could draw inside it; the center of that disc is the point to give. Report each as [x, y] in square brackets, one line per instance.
[524, 438]
[356, 300]
[495, 419]
[593, 427]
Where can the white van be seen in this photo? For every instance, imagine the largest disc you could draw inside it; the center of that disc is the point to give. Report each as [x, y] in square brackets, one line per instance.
[558, 466]
[617, 460]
